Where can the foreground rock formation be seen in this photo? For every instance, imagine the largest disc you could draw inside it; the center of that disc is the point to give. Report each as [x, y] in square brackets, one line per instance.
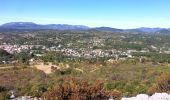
[156, 96]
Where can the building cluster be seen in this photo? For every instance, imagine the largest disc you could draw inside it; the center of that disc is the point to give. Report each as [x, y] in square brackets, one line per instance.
[79, 52]
[92, 53]
[17, 48]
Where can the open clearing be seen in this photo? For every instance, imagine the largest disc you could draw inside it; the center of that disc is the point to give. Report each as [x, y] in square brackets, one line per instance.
[44, 67]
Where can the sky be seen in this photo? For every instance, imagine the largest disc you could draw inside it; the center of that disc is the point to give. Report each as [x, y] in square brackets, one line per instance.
[94, 13]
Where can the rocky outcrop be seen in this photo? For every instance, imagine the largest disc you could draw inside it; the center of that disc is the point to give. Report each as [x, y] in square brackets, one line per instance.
[156, 96]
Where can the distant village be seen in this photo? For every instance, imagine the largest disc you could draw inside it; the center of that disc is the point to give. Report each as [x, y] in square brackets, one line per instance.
[79, 52]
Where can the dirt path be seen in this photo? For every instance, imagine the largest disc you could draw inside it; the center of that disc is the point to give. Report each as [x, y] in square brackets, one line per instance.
[6, 67]
[168, 65]
[79, 70]
[40, 66]
[94, 69]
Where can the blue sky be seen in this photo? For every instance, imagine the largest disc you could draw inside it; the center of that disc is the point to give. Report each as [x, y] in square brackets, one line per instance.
[94, 13]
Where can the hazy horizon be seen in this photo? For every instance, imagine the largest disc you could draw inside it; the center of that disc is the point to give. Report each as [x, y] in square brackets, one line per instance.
[83, 25]
[124, 14]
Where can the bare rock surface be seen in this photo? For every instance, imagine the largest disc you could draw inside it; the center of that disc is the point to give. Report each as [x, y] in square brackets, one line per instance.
[156, 96]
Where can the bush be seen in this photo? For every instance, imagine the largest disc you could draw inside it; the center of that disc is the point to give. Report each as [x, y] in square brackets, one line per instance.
[162, 84]
[2, 89]
[73, 89]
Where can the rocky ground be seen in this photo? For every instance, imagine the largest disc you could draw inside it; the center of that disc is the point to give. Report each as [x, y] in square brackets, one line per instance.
[156, 96]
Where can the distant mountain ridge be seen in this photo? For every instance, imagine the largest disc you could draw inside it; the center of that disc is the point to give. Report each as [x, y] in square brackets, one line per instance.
[30, 25]
[108, 29]
[146, 29]
[33, 26]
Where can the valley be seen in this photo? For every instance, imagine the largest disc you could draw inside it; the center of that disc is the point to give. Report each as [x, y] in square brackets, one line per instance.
[124, 64]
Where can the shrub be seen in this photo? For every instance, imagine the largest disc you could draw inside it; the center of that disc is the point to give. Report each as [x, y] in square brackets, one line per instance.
[162, 84]
[74, 89]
